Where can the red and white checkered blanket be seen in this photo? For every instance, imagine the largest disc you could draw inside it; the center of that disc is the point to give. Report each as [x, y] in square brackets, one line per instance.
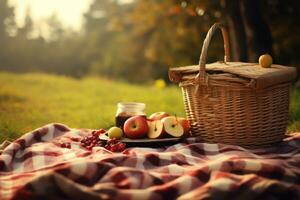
[36, 167]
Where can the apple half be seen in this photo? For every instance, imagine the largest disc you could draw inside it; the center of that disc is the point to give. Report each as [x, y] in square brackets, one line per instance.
[156, 129]
[158, 116]
[172, 126]
[185, 124]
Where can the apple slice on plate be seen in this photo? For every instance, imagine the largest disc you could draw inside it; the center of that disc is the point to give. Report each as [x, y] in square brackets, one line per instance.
[172, 126]
[185, 124]
[156, 129]
[158, 116]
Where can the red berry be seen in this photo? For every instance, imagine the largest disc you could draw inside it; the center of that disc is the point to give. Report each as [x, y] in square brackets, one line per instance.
[126, 151]
[90, 137]
[89, 147]
[121, 146]
[101, 131]
[114, 148]
[112, 141]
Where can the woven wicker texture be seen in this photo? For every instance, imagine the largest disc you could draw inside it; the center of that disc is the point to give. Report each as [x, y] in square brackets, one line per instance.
[251, 74]
[227, 109]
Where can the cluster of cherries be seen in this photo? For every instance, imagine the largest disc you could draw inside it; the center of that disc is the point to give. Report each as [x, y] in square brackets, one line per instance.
[114, 145]
[93, 140]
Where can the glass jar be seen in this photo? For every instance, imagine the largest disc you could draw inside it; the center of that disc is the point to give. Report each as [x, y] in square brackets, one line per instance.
[128, 109]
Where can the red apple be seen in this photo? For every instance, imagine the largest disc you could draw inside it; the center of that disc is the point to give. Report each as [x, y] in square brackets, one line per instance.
[136, 127]
[158, 116]
[156, 129]
[185, 124]
[172, 126]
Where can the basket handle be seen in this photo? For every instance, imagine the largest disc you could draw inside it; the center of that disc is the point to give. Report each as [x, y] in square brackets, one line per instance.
[202, 61]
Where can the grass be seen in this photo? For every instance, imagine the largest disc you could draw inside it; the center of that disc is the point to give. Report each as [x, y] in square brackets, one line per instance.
[28, 101]
[294, 114]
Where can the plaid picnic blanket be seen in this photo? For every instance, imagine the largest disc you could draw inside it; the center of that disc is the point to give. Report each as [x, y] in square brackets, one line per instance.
[36, 167]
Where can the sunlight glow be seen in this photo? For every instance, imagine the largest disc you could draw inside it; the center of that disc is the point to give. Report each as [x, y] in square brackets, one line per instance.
[69, 11]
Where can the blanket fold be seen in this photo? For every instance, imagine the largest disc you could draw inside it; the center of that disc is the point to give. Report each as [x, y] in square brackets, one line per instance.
[35, 166]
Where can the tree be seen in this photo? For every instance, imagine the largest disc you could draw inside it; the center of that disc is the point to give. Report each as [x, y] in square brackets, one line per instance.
[7, 21]
[139, 41]
[26, 30]
[55, 28]
[109, 48]
[232, 12]
[259, 37]
[7, 25]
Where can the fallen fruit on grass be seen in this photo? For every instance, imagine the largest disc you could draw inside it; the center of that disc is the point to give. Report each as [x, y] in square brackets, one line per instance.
[115, 132]
[265, 60]
[136, 127]
[158, 116]
[156, 129]
[172, 126]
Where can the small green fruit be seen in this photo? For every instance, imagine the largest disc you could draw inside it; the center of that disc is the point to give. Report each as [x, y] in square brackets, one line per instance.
[115, 132]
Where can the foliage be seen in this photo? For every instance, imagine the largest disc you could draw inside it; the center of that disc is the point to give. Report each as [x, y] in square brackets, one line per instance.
[136, 41]
[145, 38]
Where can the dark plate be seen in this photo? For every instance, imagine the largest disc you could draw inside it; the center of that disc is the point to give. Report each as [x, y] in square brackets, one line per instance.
[145, 140]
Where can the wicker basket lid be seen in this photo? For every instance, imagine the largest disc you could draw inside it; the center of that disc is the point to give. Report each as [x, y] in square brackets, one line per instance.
[228, 73]
[248, 74]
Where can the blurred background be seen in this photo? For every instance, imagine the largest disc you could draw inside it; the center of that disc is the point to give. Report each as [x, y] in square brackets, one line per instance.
[72, 61]
[122, 38]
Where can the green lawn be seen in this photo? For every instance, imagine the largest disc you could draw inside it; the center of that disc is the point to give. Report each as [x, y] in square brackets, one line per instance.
[28, 101]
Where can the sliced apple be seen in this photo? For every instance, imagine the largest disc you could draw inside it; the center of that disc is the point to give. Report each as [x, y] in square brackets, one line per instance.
[172, 126]
[185, 124]
[158, 116]
[156, 129]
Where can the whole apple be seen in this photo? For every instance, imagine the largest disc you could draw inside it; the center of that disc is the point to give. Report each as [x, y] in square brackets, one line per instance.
[158, 116]
[136, 127]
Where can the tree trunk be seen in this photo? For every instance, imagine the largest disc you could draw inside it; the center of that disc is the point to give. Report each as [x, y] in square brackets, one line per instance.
[238, 41]
[257, 31]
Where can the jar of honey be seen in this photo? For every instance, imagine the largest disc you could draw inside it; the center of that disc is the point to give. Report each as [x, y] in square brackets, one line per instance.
[128, 109]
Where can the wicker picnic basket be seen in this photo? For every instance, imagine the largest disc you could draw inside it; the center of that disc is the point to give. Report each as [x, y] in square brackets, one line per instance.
[233, 102]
